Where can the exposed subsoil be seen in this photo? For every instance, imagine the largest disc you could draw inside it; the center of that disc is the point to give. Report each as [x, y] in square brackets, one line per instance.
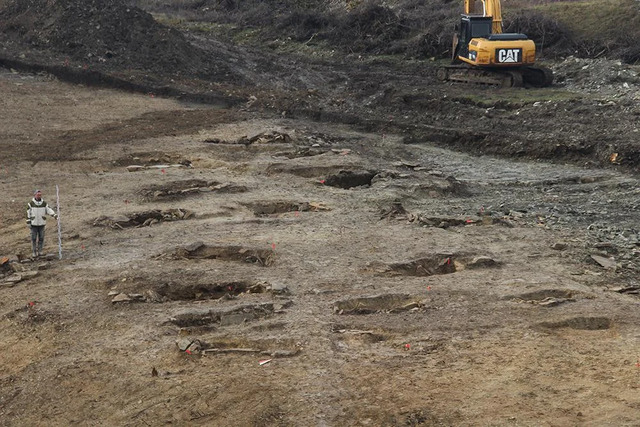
[349, 243]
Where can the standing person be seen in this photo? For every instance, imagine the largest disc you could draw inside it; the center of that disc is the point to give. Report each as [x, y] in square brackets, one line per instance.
[37, 208]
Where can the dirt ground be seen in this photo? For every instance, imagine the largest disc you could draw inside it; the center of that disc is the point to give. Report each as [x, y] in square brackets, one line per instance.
[449, 289]
[345, 242]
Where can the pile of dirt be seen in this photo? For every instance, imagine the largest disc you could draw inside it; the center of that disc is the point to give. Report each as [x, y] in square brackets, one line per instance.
[598, 75]
[106, 34]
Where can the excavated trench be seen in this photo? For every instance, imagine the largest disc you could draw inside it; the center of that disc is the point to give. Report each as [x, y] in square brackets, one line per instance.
[151, 159]
[350, 179]
[580, 323]
[265, 208]
[205, 291]
[544, 294]
[391, 303]
[303, 171]
[261, 257]
[276, 347]
[431, 265]
[233, 316]
[272, 137]
[143, 219]
[181, 189]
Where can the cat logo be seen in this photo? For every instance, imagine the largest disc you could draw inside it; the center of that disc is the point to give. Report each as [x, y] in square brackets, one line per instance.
[509, 55]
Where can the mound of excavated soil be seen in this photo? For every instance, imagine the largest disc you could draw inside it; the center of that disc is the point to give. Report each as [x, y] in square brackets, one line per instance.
[106, 34]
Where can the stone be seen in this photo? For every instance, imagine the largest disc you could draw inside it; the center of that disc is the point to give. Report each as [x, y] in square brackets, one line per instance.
[482, 261]
[134, 168]
[184, 343]
[19, 277]
[13, 279]
[279, 289]
[193, 247]
[153, 296]
[559, 246]
[195, 347]
[121, 298]
[551, 302]
[604, 262]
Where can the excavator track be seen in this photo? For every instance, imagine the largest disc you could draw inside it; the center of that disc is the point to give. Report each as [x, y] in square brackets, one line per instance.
[514, 77]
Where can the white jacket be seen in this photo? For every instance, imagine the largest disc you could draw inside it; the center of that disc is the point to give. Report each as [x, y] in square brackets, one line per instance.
[36, 211]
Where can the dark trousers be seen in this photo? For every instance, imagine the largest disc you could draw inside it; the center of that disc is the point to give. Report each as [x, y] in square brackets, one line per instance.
[37, 238]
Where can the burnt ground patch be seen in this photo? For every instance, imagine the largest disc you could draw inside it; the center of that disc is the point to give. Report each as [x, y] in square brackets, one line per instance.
[379, 303]
[199, 250]
[143, 219]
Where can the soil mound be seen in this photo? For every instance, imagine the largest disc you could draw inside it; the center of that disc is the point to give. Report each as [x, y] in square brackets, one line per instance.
[105, 34]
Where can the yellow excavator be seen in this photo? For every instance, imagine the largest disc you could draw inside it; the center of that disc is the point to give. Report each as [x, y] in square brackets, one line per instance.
[483, 54]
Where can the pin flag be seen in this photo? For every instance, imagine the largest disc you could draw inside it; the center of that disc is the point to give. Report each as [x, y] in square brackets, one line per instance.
[322, 181]
[265, 361]
[82, 247]
[31, 303]
[273, 246]
[163, 171]
[448, 261]
[428, 288]
[296, 213]
[188, 351]
[407, 346]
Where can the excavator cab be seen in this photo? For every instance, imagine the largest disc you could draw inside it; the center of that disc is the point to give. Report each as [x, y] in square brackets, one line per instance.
[471, 27]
